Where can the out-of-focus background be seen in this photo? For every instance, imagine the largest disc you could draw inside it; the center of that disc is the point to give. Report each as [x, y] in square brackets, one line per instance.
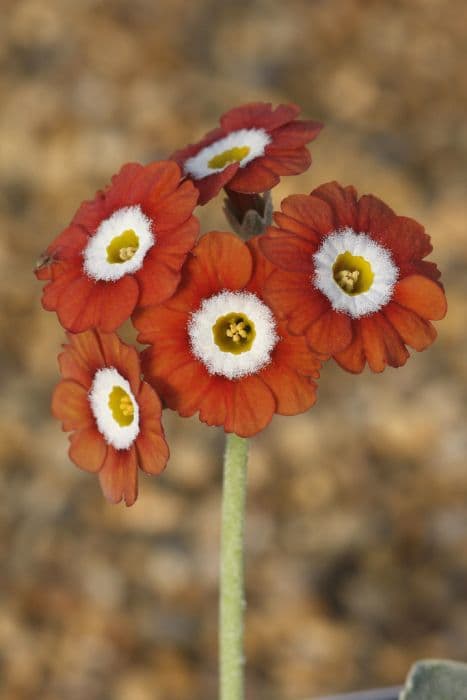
[357, 511]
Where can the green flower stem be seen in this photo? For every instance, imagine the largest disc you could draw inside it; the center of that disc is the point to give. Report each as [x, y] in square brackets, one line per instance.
[232, 601]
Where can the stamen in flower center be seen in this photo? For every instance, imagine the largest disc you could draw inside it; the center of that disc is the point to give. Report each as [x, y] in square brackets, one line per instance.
[347, 279]
[122, 247]
[232, 155]
[234, 333]
[121, 406]
[352, 273]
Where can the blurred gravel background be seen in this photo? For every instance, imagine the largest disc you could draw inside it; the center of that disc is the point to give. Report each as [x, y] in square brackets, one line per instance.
[357, 511]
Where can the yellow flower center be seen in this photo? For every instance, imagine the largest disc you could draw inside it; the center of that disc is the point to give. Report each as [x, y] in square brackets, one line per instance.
[352, 273]
[234, 333]
[232, 155]
[122, 247]
[121, 406]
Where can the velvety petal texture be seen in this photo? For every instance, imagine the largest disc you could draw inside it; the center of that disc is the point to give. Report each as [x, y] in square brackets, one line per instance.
[281, 150]
[314, 296]
[95, 281]
[85, 356]
[225, 271]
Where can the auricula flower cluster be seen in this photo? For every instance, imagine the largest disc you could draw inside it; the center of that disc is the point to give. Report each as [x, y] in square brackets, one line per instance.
[236, 330]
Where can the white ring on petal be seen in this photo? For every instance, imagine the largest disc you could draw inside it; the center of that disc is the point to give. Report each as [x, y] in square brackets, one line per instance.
[385, 272]
[96, 264]
[227, 364]
[119, 436]
[256, 139]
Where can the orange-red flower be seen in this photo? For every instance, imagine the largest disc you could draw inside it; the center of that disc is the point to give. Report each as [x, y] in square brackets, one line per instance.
[114, 415]
[353, 278]
[122, 249]
[253, 146]
[217, 348]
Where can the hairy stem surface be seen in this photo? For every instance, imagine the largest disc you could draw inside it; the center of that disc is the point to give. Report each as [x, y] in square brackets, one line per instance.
[232, 602]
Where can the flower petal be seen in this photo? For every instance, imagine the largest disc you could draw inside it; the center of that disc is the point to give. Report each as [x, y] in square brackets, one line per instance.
[250, 405]
[105, 305]
[427, 269]
[287, 161]
[81, 357]
[262, 268]
[405, 238]
[413, 330]
[293, 392]
[330, 333]
[312, 211]
[161, 179]
[72, 366]
[161, 272]
[185, 392]
[296, 134]
[157, 280]
[119, 475]
[421, 295]
[293, 351]
[90, 213]
[139, 184]
[66, 247]
[381, 343]
[123, 357]
[254, 178]
[210, 186]
[287, 223]
[174, 209]
[353, 358]
[212, 408]
[220, 261]
[343, 202]
[292, 296]
[373, 215]
[162, 325]
[153, 453]
[287, 251]
[169, 365]
[258, 115]
[177, 242]
[70, 405]
[62, 275]
[88, 449]
[151, 447]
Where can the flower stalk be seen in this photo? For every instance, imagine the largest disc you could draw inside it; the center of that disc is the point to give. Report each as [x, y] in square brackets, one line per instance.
[232, 601]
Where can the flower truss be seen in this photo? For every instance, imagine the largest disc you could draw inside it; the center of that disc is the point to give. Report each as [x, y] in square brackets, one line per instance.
[237, 331]
[114, 415]
[122, 249]
[253, 146]
[218, 348]
[352, 277]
